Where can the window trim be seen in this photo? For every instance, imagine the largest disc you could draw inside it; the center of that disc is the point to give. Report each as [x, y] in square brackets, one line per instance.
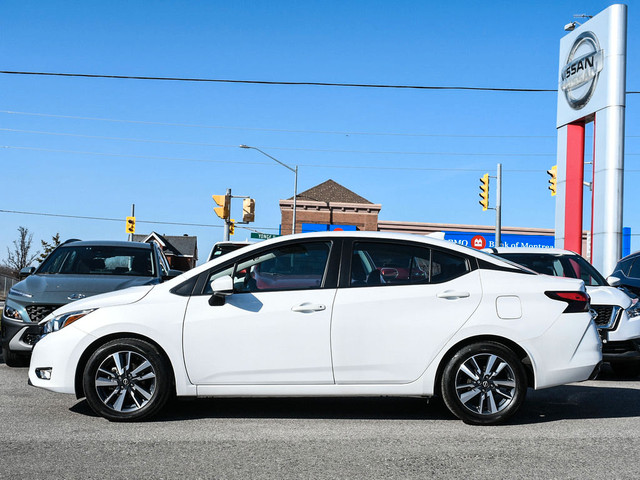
[330, 276]
[345, 267]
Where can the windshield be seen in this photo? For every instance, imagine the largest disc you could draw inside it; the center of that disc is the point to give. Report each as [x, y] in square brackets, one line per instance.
[558, 265]
[99, 260]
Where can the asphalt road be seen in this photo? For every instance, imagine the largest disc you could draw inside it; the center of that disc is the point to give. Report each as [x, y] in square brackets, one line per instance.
[587, 430]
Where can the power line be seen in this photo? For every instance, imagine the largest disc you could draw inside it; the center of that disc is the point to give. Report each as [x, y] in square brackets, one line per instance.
[269, 164]
[278, 130]
[267, 82]
[307, 165]
[107, 219]
[318, 150]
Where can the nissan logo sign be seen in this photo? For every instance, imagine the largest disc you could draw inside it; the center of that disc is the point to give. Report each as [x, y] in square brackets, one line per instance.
[580, 74]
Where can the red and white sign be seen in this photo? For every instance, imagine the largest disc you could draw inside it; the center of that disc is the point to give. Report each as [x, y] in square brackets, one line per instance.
[478, 242]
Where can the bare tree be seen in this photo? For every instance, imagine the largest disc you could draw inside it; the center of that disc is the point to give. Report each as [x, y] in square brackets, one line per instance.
[21, 255]
[47, 247]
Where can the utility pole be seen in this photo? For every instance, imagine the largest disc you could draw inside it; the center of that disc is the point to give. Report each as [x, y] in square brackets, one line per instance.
[499, 205]
[133, 215]
[227, 221]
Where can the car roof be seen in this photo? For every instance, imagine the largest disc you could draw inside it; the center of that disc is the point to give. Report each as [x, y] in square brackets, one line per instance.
[425, 239]
[528, 250]
[230, 242]
[106, 243]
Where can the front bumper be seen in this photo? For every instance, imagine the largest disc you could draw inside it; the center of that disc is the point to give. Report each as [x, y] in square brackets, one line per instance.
[19, 336]
[621, 351]
[60, 353]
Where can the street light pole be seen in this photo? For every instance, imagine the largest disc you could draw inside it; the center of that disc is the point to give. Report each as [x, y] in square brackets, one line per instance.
[295, 184]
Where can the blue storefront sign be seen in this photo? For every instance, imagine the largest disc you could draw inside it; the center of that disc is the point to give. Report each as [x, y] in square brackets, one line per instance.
[323, 227]
[480, 240]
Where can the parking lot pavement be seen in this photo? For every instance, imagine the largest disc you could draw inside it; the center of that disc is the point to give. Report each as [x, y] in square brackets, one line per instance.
[586, 430]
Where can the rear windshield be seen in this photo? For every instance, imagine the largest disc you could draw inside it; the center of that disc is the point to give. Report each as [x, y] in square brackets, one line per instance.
[558, 265]
[99, 260]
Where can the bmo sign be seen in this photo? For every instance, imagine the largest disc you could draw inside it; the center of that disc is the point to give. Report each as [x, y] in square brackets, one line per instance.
[591, 88]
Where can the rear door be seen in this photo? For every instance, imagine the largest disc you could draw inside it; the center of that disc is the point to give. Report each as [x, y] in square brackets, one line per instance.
[396, 309]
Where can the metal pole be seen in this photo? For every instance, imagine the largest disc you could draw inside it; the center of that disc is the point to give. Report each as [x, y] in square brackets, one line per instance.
[499, 206]
[295, 187]
[295, 195]
[133, 214]
[227, 221]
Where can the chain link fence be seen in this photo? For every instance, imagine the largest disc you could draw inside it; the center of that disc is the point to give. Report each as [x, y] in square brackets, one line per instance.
[6, 283]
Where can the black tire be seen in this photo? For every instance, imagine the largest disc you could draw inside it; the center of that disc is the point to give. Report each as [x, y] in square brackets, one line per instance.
[484, 383]
[626, 369]
[13, 359]
[127, 380]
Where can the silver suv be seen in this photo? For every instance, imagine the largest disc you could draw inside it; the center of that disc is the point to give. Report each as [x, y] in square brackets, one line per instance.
[618, 311]
[74, 270]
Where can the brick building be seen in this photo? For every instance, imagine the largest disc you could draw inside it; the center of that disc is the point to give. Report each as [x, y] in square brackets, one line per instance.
[329, 204]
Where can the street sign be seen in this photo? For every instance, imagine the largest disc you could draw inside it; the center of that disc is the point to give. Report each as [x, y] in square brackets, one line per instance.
[263, 236]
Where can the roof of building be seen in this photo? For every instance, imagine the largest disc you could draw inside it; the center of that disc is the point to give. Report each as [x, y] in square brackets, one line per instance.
[331, 191]
[179, 245]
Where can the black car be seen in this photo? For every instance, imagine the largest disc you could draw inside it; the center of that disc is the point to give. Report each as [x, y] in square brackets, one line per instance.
[627, 273]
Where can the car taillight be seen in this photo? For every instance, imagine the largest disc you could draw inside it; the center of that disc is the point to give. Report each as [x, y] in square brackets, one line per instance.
[576, 301]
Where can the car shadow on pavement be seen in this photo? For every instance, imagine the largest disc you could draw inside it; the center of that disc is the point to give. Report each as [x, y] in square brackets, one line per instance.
[568, 402]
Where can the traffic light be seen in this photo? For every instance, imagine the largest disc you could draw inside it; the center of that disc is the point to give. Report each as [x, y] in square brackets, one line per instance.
[225, 202]
[131, 225]
[248, 210]
[232, 226]
[484, 191]
[553, 181]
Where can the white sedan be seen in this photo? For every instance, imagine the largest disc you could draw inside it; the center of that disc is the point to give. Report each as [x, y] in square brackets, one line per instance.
[326, 314]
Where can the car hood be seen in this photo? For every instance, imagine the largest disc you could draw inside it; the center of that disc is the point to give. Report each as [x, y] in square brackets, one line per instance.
[110, 299]
[608, 296]
[56, 289]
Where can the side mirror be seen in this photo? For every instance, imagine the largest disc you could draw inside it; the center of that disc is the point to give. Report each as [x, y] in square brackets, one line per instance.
[26, 271]
[171, 274]
[614, 281]
[222, 287]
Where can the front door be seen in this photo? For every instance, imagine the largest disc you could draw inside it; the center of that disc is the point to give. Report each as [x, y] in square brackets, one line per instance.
[275, 327]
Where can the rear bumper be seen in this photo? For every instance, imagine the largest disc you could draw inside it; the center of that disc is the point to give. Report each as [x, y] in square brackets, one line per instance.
[567, 366]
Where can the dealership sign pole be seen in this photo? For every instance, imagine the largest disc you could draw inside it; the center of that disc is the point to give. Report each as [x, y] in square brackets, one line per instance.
[591, 88]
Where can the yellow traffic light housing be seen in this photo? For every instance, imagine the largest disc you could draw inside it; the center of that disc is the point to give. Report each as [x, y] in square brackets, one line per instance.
[553, 181]
[484, 192]
[232, 226]
[224, 202]
[248, 210]
[130, 226]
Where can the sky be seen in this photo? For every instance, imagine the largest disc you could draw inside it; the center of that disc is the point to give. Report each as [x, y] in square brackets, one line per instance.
[92, 147]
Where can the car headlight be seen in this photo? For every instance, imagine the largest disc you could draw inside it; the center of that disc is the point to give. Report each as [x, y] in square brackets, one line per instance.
[634, 310]
[60, 321]
[12, 313]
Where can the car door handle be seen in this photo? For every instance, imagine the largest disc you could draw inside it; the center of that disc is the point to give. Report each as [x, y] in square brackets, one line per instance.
[452, 294]
[308, 307]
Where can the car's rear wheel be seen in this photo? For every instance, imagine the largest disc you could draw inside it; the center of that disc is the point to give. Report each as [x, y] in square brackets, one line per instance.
[127, 380]
[13, 359]
[484, 383]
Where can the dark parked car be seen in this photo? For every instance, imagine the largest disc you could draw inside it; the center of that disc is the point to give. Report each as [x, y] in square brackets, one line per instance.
[74, 270]
[627, 273]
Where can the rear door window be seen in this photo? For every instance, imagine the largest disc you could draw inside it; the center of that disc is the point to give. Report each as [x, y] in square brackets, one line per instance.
[374, 263]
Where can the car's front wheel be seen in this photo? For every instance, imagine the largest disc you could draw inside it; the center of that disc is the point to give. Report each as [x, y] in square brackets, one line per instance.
[484, 383]
[127, 380]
